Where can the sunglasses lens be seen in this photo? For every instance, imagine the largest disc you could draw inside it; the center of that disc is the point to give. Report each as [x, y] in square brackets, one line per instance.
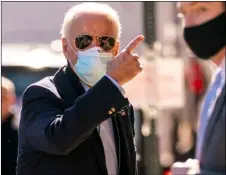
[83, 41]
[107, 42]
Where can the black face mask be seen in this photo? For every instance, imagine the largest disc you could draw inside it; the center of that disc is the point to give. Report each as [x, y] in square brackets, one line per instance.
[207, 39]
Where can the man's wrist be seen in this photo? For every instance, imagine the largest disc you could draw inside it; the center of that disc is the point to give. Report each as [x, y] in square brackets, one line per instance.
[117, 85]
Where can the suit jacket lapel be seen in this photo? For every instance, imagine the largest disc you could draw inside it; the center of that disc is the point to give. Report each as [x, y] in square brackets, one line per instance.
[98, 152]
[214, 118]
[119, 135]
[117, 139]
[63, 82]
[122, 121]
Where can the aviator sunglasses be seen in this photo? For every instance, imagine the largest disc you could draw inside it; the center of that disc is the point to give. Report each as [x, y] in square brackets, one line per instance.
[107, 43]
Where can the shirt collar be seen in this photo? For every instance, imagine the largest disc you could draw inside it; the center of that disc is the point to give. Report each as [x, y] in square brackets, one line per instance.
[222, 67]
[85, 86]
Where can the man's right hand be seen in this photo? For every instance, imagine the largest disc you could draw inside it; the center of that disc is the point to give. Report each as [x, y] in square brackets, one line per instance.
[125, 66]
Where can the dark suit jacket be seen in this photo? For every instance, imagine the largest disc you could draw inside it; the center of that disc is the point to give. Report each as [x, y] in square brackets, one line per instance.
[213, 152]
[57, 132]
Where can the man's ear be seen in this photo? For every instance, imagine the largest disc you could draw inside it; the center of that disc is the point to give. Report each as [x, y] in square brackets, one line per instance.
[116, 49]
[67, 51]
[64, 46]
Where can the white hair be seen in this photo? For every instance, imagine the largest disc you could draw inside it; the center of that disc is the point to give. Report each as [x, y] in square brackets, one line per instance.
[90, 7]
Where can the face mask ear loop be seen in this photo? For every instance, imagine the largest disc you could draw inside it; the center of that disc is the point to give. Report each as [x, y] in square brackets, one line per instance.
[69, 61]
[72, 48]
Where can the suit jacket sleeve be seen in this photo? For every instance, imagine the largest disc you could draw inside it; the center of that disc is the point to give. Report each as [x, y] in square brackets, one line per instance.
[50, 129]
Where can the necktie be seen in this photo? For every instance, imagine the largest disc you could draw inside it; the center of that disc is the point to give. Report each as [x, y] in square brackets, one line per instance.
[206, 111]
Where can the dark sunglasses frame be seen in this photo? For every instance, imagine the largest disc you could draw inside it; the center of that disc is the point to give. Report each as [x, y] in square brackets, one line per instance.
[97, 39]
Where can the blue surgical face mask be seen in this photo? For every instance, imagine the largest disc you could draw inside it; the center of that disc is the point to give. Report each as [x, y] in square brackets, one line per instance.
[91, 65]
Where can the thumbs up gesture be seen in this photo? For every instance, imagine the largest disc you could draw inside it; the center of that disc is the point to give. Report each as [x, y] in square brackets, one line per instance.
[125, 66]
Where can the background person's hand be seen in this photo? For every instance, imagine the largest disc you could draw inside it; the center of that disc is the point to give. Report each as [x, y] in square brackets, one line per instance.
[190, 167]
[125, 66]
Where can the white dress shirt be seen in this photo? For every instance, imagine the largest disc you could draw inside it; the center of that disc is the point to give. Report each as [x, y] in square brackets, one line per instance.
[106, 133]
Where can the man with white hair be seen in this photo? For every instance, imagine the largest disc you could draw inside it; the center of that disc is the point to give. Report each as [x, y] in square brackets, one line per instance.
[79, 121]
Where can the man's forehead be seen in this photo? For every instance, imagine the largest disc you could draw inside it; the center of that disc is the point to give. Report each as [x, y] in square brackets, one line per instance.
[86, 18]
[91, 22]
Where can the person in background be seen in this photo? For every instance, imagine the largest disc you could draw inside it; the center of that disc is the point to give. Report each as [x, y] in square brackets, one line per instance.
[204, 32]
[79, 121]
[9, 134]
